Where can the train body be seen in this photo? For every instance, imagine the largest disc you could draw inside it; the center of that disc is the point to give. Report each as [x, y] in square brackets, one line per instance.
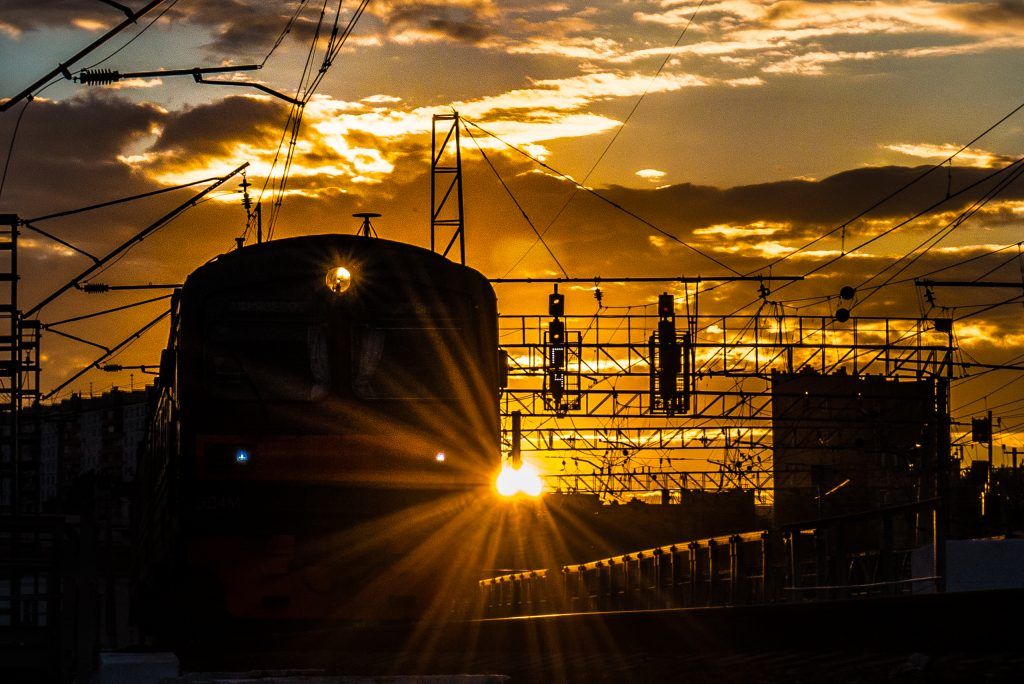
[325, 437]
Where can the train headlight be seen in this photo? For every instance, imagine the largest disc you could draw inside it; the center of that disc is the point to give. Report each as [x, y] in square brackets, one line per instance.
[339, 279]
[521, 480]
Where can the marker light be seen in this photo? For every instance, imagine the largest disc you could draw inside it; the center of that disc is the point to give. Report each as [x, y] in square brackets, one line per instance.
[439, 457]
[339, 279]
[522, 480]
[241, 456]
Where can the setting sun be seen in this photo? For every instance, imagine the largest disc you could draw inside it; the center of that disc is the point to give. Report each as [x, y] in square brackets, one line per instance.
[521, 480]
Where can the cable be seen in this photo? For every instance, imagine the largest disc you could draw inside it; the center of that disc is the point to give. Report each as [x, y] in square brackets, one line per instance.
[132, 39]
[516, 202]
[615, 137]
[608, 201]
[10, 148]
[896, 192]
[286, 31]
[942, 233]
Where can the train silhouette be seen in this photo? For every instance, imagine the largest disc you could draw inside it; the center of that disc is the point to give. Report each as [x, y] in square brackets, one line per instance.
[325, 438]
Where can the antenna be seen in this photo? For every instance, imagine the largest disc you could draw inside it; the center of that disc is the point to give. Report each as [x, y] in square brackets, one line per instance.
[366, 229]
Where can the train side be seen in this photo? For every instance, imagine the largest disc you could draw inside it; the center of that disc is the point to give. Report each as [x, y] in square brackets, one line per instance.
[325, 436]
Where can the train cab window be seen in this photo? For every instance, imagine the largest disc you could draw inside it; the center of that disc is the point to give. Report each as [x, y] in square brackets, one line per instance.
[404, 362]
[266, 351]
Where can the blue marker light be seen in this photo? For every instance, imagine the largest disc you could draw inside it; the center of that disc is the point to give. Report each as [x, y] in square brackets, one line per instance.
[241, 456]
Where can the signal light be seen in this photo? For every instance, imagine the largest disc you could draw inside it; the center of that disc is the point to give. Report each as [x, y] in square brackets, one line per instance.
[556, 304]
[666, 306]
[981, 430]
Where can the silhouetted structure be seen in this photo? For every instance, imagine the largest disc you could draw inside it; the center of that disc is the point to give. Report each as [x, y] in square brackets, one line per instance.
[847, 443]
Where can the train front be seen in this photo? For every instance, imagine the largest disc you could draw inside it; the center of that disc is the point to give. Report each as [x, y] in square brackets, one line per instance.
[339, 430]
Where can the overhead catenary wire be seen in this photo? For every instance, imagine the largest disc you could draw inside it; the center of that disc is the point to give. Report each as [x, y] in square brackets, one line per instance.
[108, 353]
[942, 233]
[515, 201]
[284, 32]
[615, 136]
[885, 199]
[606, 200]
[304, 93]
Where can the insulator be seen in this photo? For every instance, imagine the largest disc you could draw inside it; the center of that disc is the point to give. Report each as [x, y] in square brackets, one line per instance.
[99, 77]
[95, 287]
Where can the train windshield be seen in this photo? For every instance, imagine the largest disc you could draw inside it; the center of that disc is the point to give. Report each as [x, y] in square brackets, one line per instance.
[398, 362]
[289, 351]
[266, 351]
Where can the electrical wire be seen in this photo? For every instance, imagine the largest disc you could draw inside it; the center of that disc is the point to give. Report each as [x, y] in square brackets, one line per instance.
[618, 131]
[284, 33]
[132, 39]
[607, 200]
[894, 193]
[516, 202]
[10, 147]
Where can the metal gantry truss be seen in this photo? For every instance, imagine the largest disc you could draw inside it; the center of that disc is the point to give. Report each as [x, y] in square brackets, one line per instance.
[617, 440]
[19, 383]
[447, 225]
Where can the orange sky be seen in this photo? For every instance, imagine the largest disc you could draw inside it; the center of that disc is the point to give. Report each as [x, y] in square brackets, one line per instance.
[768, 124]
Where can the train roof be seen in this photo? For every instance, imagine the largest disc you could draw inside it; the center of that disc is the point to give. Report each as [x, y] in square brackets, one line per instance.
[296, 255]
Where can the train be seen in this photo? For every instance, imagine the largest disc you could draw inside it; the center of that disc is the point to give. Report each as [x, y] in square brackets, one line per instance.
[324, 439]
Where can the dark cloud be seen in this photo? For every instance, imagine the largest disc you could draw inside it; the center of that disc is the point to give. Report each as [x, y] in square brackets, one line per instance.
[215, 128]
[809, 204]
[462, 22]
[30, 16]
[67, 150]
[998, 16]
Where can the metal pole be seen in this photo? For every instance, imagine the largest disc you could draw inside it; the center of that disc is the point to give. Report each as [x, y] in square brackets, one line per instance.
[517, 436]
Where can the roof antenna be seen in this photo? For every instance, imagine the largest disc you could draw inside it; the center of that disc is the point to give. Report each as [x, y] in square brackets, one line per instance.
[366, 230]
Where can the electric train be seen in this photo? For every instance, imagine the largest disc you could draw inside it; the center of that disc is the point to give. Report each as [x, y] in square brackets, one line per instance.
[325, 438]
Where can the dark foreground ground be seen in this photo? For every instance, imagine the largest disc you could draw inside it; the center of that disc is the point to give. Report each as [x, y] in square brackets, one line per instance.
[968, 637]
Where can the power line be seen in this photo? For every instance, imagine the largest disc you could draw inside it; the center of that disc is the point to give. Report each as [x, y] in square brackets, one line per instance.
[905, 186]
[522, 211]
[607, 200]
[615, 137]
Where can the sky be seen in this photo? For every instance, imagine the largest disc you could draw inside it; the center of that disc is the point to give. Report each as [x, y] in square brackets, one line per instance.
[743, 129]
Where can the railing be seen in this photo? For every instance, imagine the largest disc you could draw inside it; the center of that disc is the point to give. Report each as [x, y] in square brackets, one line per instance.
[824, 559]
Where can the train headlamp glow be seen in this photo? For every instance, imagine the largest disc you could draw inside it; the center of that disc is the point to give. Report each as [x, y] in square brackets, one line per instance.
[339, 279]
[521, 480]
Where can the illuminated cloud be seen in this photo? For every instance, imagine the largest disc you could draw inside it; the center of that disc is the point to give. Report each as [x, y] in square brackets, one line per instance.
[799, 37]
[971, 156]
[653, 175]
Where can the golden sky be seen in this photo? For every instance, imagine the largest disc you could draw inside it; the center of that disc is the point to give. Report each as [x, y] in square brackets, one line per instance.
[768, 124]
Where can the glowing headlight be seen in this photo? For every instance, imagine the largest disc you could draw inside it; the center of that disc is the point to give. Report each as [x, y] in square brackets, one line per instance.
[522, 480]
[339, 279]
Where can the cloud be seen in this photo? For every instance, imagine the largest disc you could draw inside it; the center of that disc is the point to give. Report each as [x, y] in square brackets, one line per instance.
[799, 37]
[971, 156]
[653, 175]
[373, 155]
